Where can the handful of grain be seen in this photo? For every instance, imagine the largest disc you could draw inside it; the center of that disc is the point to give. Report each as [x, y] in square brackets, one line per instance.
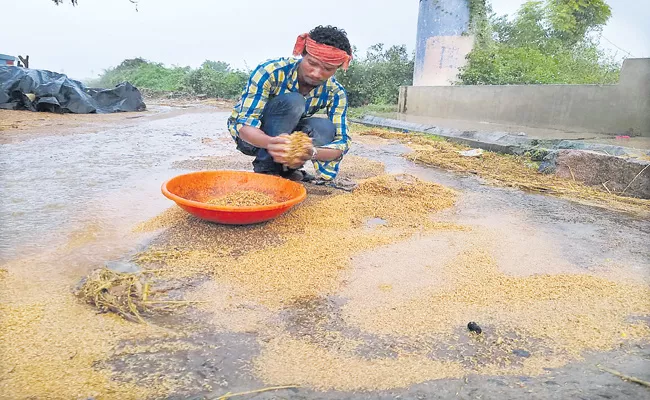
[242, 198]
[298, 148]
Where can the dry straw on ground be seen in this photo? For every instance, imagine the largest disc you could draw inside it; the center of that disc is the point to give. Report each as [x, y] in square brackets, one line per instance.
[129, 295]
[116, 292]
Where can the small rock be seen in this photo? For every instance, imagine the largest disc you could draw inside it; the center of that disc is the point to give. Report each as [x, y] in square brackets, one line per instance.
[473, 327]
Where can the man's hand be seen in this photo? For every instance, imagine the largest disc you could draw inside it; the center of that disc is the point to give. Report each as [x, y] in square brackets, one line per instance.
[278, 148]
[308, 151]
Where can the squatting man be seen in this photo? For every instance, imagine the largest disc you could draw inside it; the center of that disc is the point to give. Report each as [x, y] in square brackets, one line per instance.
[281, 97]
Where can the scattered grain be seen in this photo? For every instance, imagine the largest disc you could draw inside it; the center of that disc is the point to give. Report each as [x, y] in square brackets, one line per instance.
[511, 171]
[166, 219]
[529, 324]
[551, 319]
[356, 168]
[301, 264]
[568, 313]
[50, 343]
[291, 361]
[232, 162]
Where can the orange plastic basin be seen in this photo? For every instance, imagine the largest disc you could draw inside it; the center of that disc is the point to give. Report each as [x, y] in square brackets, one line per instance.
[192, 191]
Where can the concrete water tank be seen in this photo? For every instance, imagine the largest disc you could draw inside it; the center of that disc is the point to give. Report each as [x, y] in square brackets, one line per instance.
[443, 41]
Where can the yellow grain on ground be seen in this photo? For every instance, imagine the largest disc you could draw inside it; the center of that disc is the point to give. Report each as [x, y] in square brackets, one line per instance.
[230, 162]
[355, 168]
[302, 264]
[568, 313]
[87, 234]
[403, 201]
[286, 359]
[166, 219]
[50, 342]
[507, 170]
[551, 319]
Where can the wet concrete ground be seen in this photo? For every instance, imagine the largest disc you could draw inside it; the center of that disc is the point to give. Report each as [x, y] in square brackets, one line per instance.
[83, 192]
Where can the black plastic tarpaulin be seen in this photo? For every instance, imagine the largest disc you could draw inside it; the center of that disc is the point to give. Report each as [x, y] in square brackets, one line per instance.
[39, 90]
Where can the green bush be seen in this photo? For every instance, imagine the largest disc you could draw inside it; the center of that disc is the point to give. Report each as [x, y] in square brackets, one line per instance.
[376, 78]
[502, 64]
[216, 79]
[144, 74]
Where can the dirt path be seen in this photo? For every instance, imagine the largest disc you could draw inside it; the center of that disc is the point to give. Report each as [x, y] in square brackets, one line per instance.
[381, 312]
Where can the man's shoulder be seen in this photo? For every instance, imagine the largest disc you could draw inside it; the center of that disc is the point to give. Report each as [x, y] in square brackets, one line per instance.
[275, 64]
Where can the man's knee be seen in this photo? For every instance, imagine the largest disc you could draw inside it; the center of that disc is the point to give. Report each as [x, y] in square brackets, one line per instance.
[321, 130]
[288, 104]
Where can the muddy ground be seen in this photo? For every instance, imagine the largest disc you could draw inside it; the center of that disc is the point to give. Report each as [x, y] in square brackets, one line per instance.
[74, 187]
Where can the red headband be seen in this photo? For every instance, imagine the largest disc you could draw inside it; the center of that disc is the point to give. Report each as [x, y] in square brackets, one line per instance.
[323, 52]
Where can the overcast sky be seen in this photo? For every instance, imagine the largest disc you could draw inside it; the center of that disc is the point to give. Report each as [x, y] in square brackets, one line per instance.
[81, 41]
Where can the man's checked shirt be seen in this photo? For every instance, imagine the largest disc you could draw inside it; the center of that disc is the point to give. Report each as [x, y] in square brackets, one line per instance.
[276, 77]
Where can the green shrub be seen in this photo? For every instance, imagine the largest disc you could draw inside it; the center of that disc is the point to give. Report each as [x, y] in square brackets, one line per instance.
[145, 74]
[376, 78]
[216, 81]
[547, 42]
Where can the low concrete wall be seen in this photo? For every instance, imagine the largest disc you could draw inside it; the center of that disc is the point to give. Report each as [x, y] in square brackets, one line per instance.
[615, 109]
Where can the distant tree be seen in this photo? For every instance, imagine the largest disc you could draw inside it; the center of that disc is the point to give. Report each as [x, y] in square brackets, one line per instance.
[218, 66]
[376, 78]
[546, 42]
[572, 20]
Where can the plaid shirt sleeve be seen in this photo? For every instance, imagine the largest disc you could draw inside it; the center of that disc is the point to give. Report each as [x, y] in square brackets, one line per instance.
[254, 98]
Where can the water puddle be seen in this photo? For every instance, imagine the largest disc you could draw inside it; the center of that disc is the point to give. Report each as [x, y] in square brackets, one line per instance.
[106, 180]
